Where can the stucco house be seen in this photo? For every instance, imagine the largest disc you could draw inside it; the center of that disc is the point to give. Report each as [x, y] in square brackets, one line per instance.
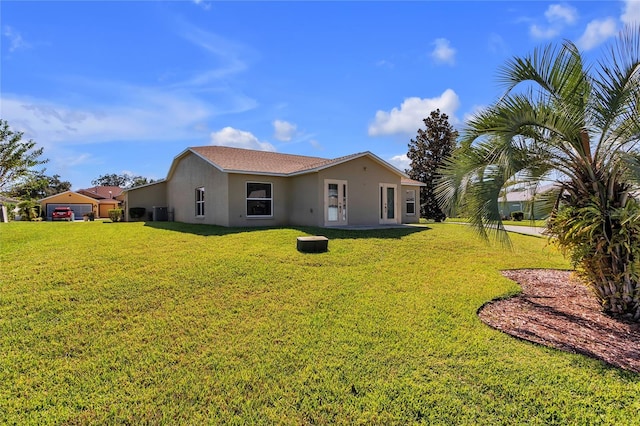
[98, 199]
[245, 188]
[521, 199]
[109, 197]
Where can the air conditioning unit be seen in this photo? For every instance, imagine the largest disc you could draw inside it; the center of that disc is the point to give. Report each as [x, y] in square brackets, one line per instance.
[160, 214]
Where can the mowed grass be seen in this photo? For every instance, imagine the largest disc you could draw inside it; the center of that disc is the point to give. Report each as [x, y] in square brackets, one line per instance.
[129, 323]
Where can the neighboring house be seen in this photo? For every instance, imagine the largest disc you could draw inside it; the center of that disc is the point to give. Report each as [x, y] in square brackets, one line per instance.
[99, 200]
[109, 197]
[239, 187]
[520, 199]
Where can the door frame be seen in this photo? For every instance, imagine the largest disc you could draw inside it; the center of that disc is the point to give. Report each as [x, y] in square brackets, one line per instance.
[383, 203]
[343, 202]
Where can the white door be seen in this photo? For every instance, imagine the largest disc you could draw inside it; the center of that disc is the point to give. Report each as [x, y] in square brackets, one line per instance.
[335, 202]
[388, 203]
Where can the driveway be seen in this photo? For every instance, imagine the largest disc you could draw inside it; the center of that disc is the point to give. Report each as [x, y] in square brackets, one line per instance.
[526, 230]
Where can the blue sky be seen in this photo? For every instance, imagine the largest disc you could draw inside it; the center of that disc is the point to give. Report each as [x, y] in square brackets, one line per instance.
[124, 87]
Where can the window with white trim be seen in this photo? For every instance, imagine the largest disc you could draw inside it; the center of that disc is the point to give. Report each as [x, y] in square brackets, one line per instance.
[200, 202]
[259, 199]
[410, 202]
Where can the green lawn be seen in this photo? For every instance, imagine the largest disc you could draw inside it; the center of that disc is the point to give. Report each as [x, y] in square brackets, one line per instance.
[126, 323]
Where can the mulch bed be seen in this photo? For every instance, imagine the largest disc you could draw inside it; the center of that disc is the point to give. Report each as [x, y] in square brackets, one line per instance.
[555, 309]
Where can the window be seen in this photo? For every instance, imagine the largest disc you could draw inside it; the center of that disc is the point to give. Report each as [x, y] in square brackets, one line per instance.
[259, 199]
[200, 201]
[411, 202]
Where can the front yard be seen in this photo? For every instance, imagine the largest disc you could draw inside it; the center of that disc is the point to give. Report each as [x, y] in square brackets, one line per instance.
[129, 323]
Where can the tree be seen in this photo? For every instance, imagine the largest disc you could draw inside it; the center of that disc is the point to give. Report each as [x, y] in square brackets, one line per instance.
[38, 185]
[17, 158]
[139, 181]
[124, 180]
[111, 180]
[427, 153]
[561, 119]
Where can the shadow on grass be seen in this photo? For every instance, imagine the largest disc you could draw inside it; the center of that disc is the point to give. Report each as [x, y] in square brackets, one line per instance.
[331, 233]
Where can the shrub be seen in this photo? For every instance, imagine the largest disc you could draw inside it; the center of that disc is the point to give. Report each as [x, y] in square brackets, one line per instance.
[115, 215]
[517, 216]
[137, 212]
[29, 209]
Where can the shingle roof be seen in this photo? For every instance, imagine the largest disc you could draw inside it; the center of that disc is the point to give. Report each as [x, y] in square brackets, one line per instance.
[239, 160]
[527, 194]
[99, 192]
[248, 160]
[412, 182]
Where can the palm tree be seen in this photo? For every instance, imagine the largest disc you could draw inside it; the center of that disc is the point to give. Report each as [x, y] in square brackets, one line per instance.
[578, 125]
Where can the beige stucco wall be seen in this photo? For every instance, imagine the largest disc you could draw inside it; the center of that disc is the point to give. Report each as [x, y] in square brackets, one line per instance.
[306, 201]
[191, 172]
[149, 196]
[364, 177]
[238, 200]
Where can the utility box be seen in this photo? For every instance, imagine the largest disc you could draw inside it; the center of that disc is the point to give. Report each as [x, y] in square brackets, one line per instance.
[313, 244]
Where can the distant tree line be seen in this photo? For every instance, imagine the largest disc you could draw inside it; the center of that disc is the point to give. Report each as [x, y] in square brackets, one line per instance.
[124, 180]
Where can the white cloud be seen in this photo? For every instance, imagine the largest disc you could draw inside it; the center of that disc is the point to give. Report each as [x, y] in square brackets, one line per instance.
[383, 63]
[402, 162]
[443, 53]
[203, 4]
[543, 33]
[239, 139]
[557, 16]
[283, 130]
[631, 13]
[232, 57]
[472, 113]
[559, 12]
[408, 118]
[316, 145]
[597, 32]
[112, 111]
[16, 42]
[139, 114]
[74, 160]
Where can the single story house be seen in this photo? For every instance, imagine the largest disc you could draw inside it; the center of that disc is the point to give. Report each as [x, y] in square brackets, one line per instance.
[246, 188]
[109, 197]
[99, 200]
[520, 199]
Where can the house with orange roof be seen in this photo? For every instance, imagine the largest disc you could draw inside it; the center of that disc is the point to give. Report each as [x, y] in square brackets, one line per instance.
[97, 200]
[109, 197]
[236, 187]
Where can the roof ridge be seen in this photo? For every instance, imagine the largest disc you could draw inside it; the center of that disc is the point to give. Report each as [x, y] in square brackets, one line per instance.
[259, 151]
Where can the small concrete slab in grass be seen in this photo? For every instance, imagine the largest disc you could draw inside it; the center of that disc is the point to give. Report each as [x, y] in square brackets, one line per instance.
[313, 244]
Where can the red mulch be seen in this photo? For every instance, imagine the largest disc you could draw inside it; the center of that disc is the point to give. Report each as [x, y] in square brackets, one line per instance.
[555, 309]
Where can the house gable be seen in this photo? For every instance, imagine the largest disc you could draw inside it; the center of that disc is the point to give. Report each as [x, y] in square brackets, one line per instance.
[77, 197]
